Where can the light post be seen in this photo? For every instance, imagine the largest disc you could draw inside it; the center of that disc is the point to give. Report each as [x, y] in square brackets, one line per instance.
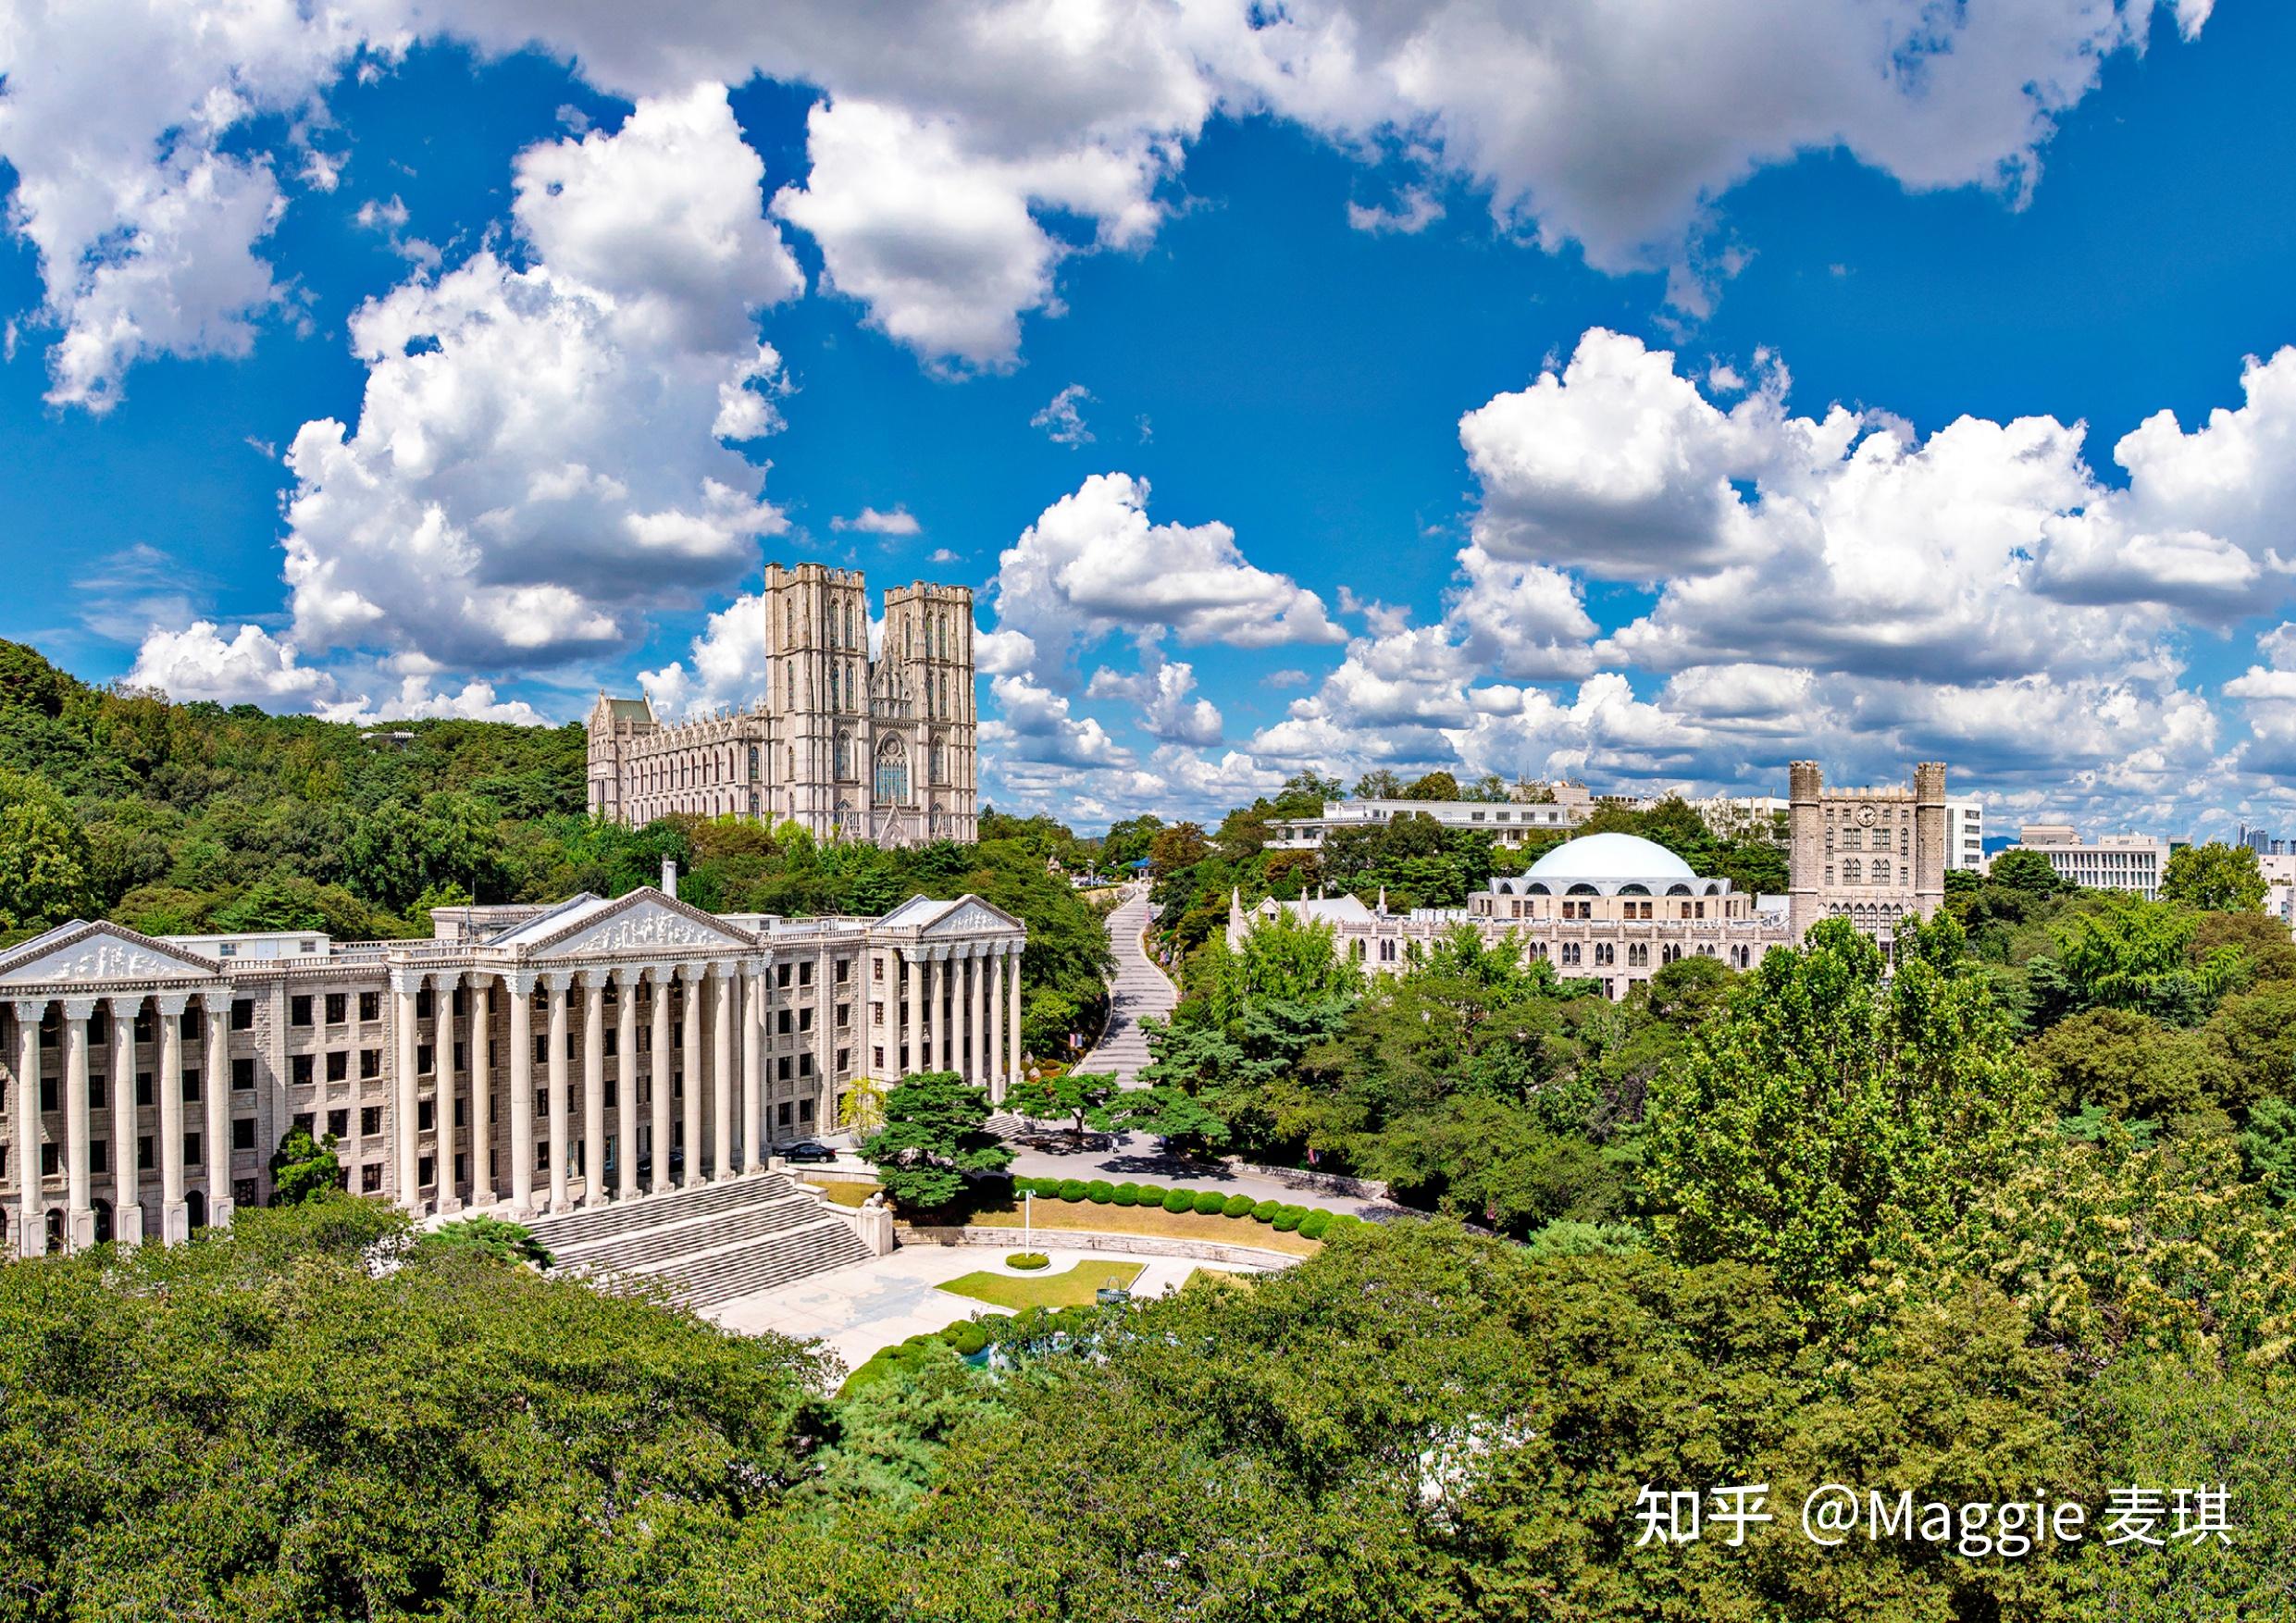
[1028, 1220]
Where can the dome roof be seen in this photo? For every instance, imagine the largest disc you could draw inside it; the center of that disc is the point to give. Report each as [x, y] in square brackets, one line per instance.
[1611, 856]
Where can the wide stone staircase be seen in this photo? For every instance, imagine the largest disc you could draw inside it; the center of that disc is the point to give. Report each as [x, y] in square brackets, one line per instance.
[710, 1243]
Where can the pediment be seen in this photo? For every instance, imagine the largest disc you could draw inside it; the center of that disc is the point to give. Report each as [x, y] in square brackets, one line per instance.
[644, 919]
[102, 952]
[970, 916]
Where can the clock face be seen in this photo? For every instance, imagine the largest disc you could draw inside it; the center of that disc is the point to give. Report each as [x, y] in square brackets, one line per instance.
[1865, 816]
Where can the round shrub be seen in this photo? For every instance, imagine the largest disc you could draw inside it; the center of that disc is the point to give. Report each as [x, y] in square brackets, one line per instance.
[1026, 1260]
[1151, 1194]
[1237, 1205]
[1099, 1192]
[1313, 1225]
[1345, 1220]
[1127, 1195]
[1210, 1202]
[1179, 1200]
[966, 1337]
[1265, 1210]
[1071, 1189]
[1290, 1218]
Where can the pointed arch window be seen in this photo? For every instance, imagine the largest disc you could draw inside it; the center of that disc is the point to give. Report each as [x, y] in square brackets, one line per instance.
[892, 785]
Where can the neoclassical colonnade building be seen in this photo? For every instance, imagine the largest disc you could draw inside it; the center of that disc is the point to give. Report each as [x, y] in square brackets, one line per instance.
[527, 1059]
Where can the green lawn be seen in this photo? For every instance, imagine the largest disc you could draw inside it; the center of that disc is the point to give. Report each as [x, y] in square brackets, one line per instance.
[1072, 1289]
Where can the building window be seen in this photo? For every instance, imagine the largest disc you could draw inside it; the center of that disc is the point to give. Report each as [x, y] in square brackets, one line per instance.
[338, 1123]
[370, 1178]
[298, 1068]
[337, 1006]
[243, 1014]
[143, 1087]
[370, 1064]
[426, 1116]
[243, 1074]
[299, 1010]
[370, 1120]
[337, 1065]
[243, 1133]
[370, 1006]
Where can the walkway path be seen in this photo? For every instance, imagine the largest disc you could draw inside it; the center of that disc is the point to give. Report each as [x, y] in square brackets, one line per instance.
[859, 1309]
[1141, 988]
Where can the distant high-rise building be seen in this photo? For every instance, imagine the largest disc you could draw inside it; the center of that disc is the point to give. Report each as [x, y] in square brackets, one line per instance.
[846, 745]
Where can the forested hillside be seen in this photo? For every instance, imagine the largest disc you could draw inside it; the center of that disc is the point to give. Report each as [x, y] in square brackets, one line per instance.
[179, 818]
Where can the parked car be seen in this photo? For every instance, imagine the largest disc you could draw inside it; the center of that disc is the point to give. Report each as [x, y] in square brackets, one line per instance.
[807, 1150]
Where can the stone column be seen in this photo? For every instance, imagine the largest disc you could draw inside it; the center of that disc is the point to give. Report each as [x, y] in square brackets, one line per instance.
[482, 1090]
[912, 999]
[936, 1010]
[722, 1079]
[127, 1198]
[995, 1079]
[175, 1221]
[32, 1217]
[754, 1111]
[449, 1194]
[1012, 1060]
[625, 1081]
[558, 981]
[979, 966]
[594, 1087]
[214, 1015]
[519, 990]
[658, 1075]
[405, 988]
[691, 1058]
[80, 1217]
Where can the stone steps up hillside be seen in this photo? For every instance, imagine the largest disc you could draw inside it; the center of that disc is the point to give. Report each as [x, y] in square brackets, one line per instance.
[709, 1242]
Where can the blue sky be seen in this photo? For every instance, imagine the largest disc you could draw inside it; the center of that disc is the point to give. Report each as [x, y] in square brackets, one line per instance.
[1653, 393]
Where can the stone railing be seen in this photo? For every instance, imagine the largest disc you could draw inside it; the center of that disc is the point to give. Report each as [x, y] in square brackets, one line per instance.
[1321, 1182]
[1096, 1240]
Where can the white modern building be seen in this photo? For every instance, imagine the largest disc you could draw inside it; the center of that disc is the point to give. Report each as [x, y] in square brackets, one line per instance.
[2117, 862]
[527, 1058]
[1964, 834]
[1509, 822]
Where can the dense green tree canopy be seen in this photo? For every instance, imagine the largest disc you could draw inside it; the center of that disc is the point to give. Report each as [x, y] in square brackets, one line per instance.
[2214, 877]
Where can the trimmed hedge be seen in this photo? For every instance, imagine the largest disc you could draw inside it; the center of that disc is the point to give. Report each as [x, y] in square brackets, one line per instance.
[1028, 1262]
[966, 1337]
[1313, 1222]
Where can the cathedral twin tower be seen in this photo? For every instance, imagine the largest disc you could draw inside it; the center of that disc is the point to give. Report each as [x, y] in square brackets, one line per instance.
[842, 744]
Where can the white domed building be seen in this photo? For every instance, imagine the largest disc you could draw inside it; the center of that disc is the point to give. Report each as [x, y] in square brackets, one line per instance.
[1613, 908]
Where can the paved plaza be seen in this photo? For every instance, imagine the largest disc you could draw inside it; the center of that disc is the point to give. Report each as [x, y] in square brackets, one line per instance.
[866, 1306]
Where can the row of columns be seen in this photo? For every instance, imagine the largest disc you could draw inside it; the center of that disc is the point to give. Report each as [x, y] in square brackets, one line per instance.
[172, 1220]
[726, 1082]
[982, 1034]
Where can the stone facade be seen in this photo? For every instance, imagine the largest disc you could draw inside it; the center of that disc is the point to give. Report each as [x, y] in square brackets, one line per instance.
[1612, 907]
[527, 1058]
[848, 747]
[1874, 856]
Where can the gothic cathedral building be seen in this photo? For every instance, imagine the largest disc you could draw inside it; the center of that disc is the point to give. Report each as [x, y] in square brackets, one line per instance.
[844, 745]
